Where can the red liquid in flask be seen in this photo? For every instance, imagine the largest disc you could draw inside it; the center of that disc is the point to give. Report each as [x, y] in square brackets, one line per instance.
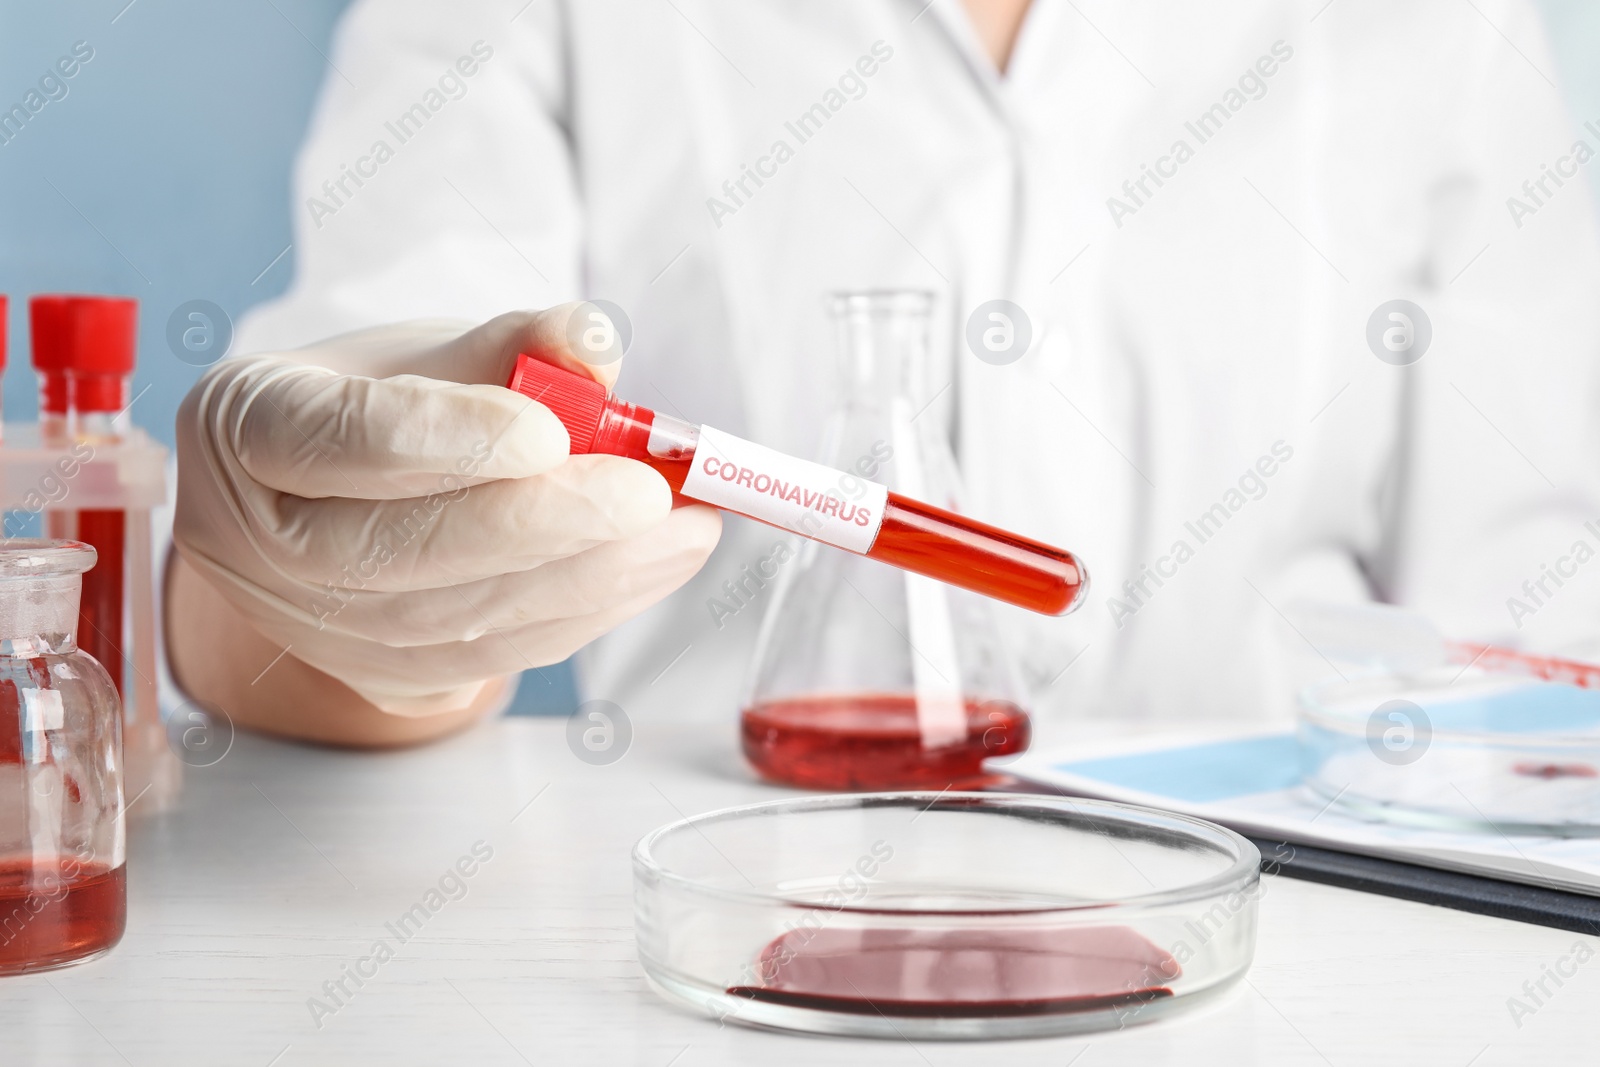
[55, 911]
[874, 741]
[962, 973]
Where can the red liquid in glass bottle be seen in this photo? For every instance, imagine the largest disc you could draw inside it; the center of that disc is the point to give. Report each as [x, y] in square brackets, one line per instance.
[57, 910]
[53, 909]
[63, 889]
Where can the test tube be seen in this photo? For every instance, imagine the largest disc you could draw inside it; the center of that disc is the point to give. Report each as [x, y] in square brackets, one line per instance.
[102, 333]
[101, 336]
[717, 468]
[47, 326]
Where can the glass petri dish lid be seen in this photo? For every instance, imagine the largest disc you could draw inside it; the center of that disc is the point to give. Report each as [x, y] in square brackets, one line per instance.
[943, 915]
[1457, 750]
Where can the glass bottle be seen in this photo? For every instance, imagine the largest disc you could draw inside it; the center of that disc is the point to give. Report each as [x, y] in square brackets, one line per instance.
[63, 891]
[866, 676]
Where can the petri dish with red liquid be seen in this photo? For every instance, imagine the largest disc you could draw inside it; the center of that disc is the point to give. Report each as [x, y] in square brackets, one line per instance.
[943, 915]
[1456, 749]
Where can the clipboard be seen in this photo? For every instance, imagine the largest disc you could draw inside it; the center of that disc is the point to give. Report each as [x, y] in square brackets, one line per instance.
[1427, 885]
[1561, 888]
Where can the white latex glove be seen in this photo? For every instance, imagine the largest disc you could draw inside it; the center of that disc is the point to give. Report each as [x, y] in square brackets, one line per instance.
[413, 537]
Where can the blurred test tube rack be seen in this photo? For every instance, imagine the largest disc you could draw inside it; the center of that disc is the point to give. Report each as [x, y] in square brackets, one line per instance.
[43, 487]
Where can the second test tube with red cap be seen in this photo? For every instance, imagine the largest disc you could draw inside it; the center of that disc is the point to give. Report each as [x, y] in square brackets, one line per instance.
[718, 468]
[84, 350]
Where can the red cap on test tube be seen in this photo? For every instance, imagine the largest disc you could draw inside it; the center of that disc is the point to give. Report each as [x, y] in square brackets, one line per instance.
[579, 402]
[102, 334]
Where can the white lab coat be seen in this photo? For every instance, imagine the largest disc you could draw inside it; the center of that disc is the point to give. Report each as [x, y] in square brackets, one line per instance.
[1206, 325]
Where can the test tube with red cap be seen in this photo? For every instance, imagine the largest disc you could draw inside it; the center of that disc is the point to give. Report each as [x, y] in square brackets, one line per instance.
[47, 327]
[708, 465]
[101, 335]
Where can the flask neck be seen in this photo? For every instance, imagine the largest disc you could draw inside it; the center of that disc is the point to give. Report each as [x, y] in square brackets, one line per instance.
[883, 343]
[888, 428]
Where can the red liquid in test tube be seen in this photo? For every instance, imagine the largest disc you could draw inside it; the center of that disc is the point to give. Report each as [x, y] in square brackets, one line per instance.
[717, 468]
[102, 336]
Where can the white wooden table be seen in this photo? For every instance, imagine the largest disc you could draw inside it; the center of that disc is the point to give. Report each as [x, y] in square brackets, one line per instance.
[283, 864]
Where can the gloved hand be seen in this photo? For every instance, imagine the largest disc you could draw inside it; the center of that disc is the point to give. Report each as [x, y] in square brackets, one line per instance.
[413, 537]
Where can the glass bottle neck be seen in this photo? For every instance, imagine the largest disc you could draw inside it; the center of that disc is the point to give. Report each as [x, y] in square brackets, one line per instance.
[39, 615]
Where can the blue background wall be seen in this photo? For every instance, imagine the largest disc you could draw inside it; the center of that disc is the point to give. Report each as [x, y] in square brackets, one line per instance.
[164, 174]
[164, 171]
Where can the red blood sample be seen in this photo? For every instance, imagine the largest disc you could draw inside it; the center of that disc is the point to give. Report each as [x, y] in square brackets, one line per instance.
[1511, 661]
[959, 551]
[54, 911]
[940, 544]
[1548, 771]
[100, 609]
[962, 973]
[914, 536]
[945, 546]
[101, 336]
[873, 741]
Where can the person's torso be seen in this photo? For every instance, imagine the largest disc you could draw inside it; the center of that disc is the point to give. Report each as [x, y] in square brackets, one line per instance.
[1196, 416]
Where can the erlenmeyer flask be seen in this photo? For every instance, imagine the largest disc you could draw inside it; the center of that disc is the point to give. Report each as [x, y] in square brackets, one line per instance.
[866, 676]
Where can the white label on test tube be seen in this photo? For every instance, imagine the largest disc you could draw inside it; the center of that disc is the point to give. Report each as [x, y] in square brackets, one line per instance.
[796, 494]
[935, 668]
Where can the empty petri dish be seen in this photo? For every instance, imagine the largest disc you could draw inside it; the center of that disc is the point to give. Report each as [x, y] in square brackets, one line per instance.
[943, 915]
[1457, 750]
